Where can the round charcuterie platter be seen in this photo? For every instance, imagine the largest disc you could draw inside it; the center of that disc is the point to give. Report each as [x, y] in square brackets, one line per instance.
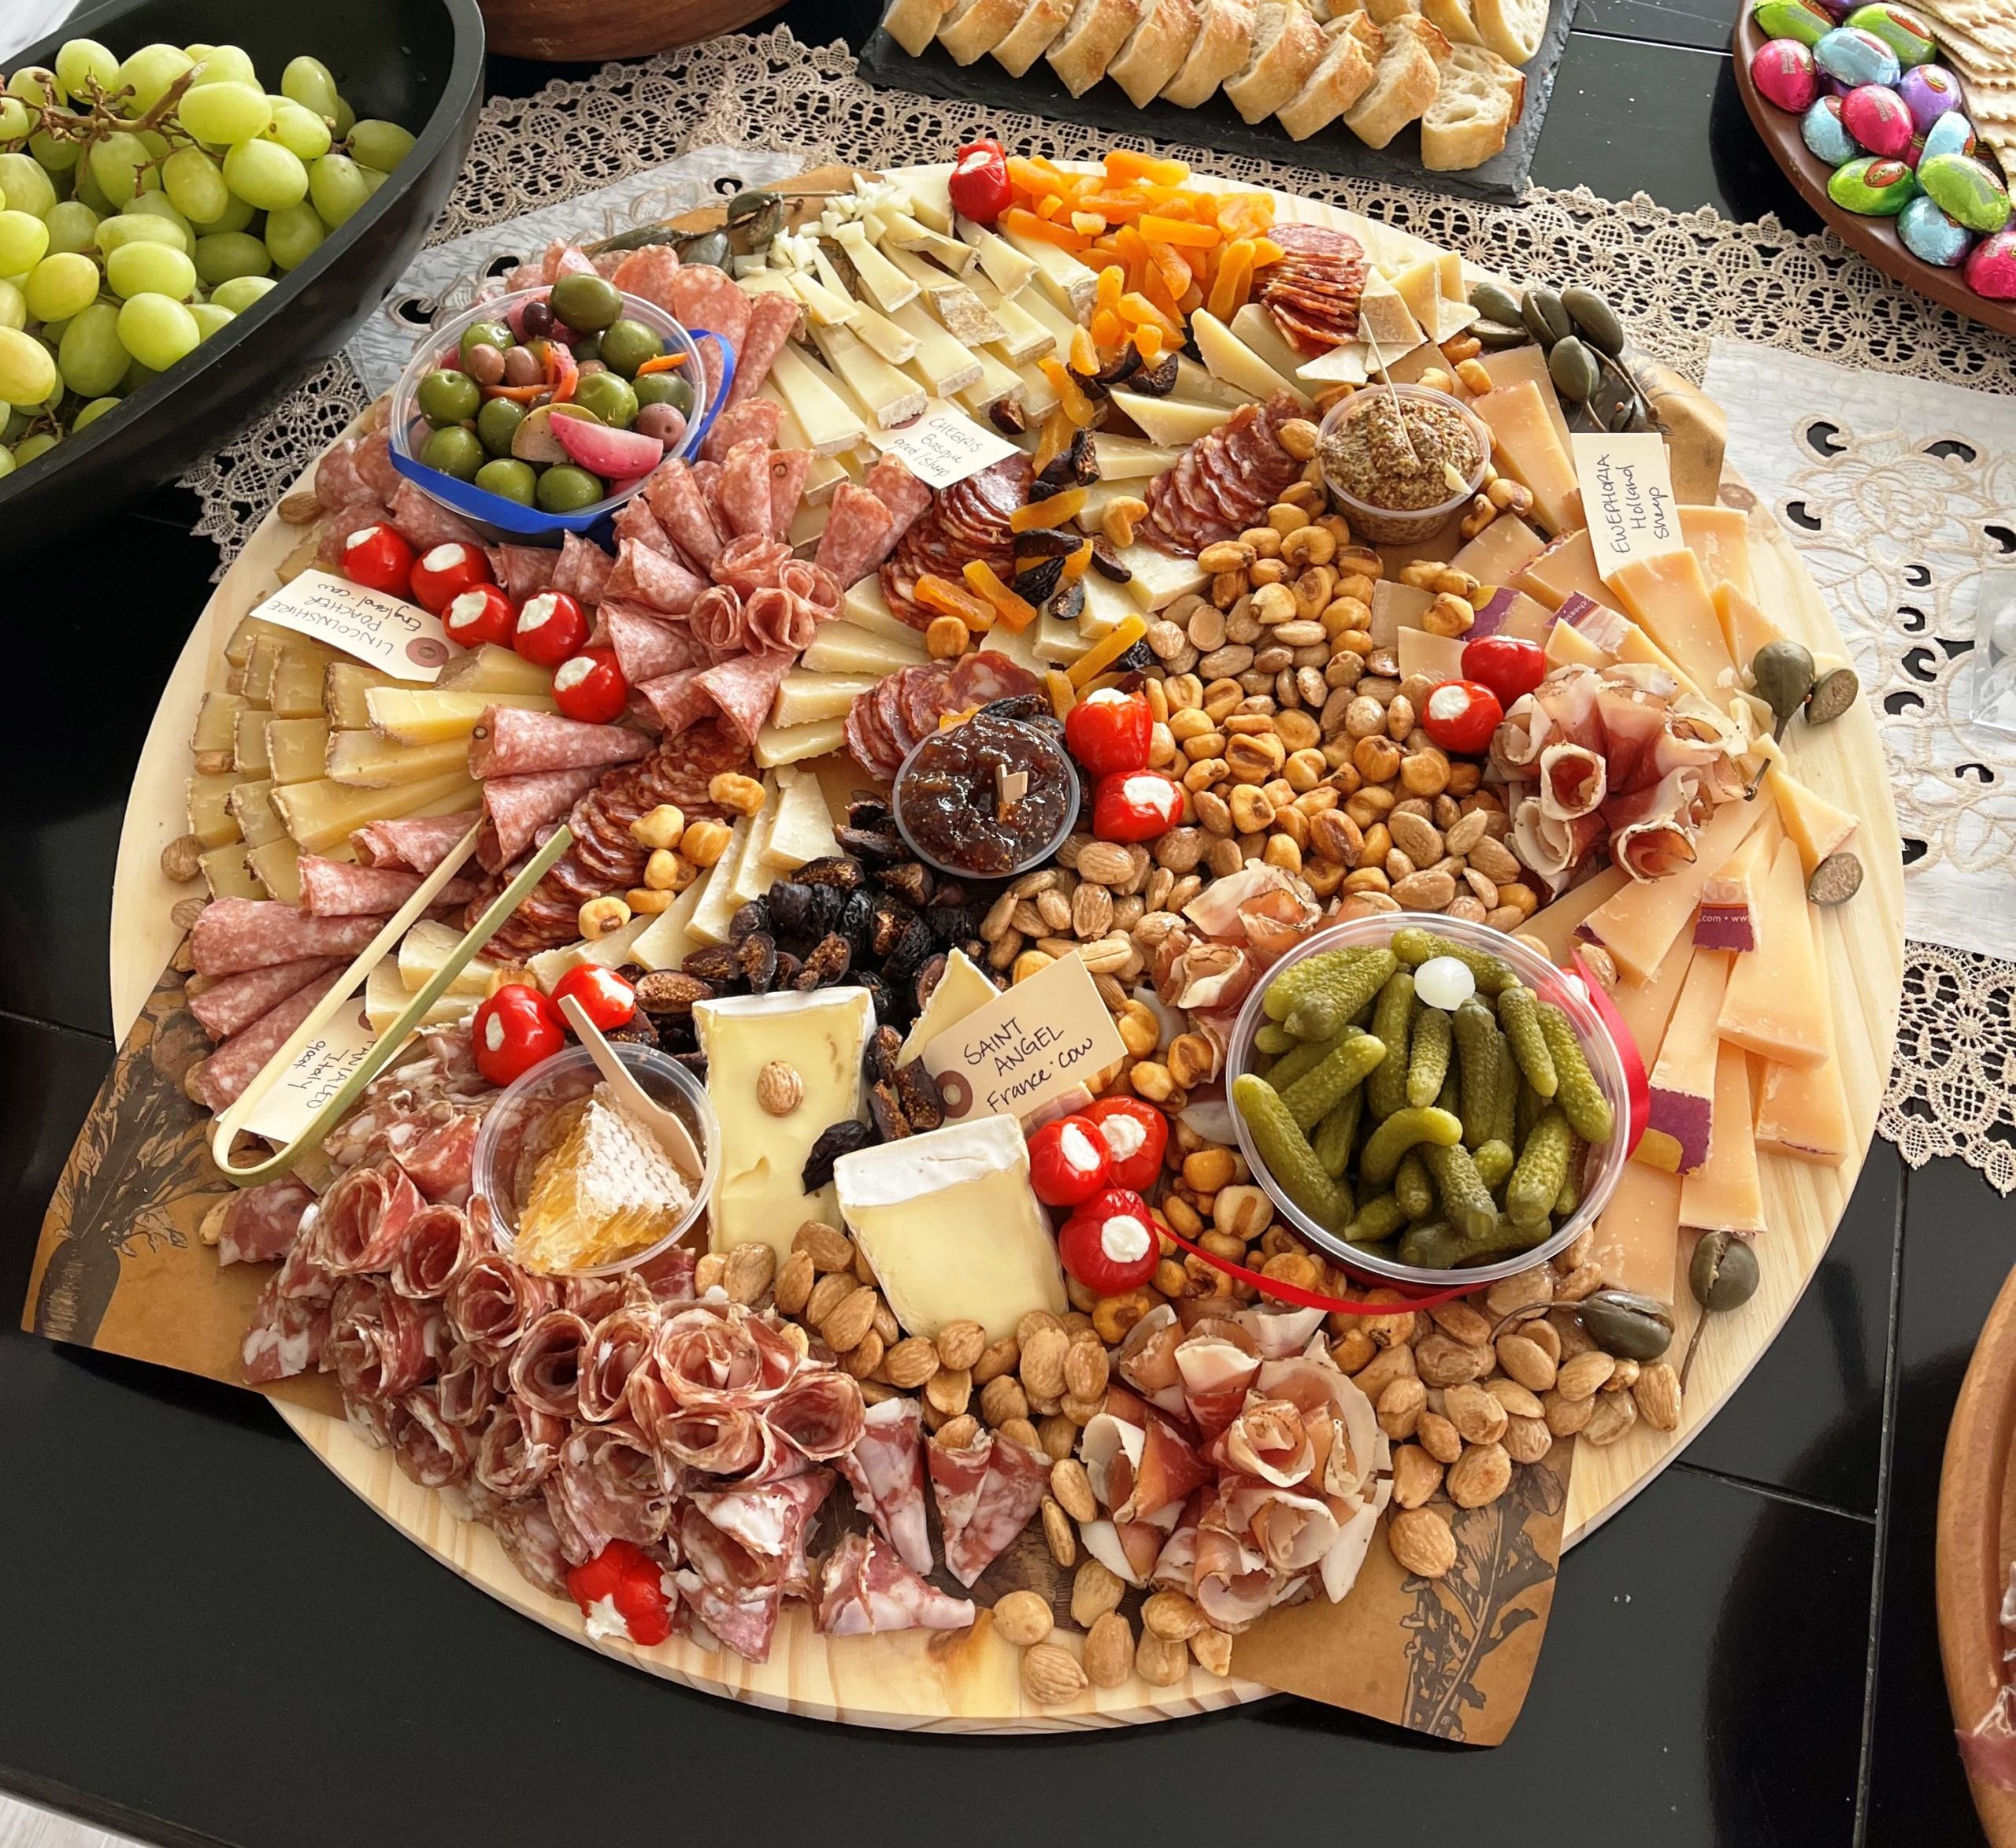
[1777, 1185]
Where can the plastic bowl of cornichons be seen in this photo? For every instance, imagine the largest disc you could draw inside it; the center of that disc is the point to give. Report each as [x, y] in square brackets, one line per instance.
[1409, 1210]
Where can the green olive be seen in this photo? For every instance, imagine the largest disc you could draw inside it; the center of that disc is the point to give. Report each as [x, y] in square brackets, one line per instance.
[627, 345]
[454, 451]
[498, 422]
[665, 388]
[585, 303]
[446, 397]
[588, 349]
[509, 480]
[609, 398]
[485, 333]
[566, 489]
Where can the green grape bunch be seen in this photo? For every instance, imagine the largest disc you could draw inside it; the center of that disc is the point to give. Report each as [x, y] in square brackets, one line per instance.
[146, 203]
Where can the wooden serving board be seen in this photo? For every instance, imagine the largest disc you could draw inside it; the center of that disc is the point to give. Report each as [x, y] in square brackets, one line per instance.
[1876, 238]
[969, 1681]
[1977, 1539]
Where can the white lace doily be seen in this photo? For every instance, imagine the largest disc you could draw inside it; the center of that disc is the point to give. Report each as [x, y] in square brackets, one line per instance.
[1679, 280]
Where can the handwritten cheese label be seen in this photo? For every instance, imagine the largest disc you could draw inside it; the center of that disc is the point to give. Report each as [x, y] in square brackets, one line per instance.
[396, 638]
[1021, 1051]
[944, 446]
[1627, 493]
[289, 1106]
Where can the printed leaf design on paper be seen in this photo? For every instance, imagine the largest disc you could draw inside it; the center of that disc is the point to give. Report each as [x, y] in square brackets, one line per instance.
[1458, 1620]
[143, 1151]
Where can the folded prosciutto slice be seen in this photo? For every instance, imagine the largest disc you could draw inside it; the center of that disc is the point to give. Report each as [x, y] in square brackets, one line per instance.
[985, 1492]
[865, 1589]
[734, 1592]
[773, 1519]
[885, 1470]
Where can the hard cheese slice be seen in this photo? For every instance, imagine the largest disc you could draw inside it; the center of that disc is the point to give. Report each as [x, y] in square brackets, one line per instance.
[1527, 363]
[1669, 598]
[1504, 548]
[948, 1222]
[1532, 453]
[1745, 627]
[822, 1036]
[1567, 567]
[1555, 924]
[1647, 1007]
[1804, 1113]
[1683, 1083]
[1728, 917]
[1640, 924]
[1720, 537]
[1816, 826]
[961, 990]
[1637, 1234]
[1724, 1195]
[1776, 1003]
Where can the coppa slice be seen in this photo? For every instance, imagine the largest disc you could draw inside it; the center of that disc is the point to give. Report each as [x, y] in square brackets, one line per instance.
[985, 1492]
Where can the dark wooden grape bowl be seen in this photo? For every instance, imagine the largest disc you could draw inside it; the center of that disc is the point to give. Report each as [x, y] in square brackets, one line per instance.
[415, 62]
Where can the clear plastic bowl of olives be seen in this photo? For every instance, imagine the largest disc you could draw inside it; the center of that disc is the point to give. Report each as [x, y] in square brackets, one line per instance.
[473, 414]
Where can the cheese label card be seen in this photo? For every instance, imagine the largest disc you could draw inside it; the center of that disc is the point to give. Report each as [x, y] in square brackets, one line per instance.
[944, 446]
[1011, 1056]
[290, 1104]
[396, 637]
[1627, 493]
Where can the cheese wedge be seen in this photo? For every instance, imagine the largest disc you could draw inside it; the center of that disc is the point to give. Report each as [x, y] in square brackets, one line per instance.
[1639, 925]
[277, 868]
[940, 362]
[1500, 552]
[997, 381]
[708, 922]
[210, 819]
[804, 827]
[1683, 1081]
[888, 398]
[228, 875]
[1727, 918]
[1169, 420]
[487, 669]
[1668, 598]
[830, 422]
[666, 942]
[1126, 458]
[320, 815]
[1158, 578]
[1513, 612]
[1256, 329]
[1063, 277]
[216, 722]
[386, 997]
[1350, 364]
[1023, 338]
[776, 745]
[248, 749]
[423, 952]
[753, 875]
[1745, 627]
[865, 607]
[296, 689]
[372, 762]
[841, 648]
[405, 715]
[1646, 1008]
[1803, 1113]
[1528, 449]
[1720, 537]
[1527, 364]
[1555, 923]
[252, 807]
[803, 698]
[1228, 357]
[1816, 826]
[881, 281]
[1725, 1195]
[1637, 1234]
[1438, 657]
[1004, 265]
[1568, 647]
[963, 989]
[1567, 567]
[1777, 1006]
[296, 748]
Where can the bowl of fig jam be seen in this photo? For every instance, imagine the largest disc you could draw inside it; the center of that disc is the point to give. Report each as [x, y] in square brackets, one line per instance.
[992, 796]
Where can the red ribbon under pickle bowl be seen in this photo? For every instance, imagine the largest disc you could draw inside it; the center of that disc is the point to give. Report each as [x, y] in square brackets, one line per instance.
[1638, 1086]
[1303, 1298]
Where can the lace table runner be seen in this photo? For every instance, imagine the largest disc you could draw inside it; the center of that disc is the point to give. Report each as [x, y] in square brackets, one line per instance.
[1680, 280]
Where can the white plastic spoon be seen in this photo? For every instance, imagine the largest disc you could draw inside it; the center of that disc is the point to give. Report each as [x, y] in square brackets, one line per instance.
[673, 1135]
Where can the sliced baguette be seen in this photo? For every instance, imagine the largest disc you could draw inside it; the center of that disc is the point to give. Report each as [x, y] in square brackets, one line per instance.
[1155, 50]
[1403, 84]
[914, 24]
[1224, 36]
[1288, 46]
[1034, 33]
[1512, 29]
[1480, 98]
[1454, 20]
[1088, 43]
[974, 27]
[1383, 12]
[1350, 53]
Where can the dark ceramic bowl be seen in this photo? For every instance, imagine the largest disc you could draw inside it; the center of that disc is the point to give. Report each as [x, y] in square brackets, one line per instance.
[415, 62]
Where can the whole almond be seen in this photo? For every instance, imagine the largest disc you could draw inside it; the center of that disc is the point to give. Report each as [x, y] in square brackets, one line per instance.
[1023, 1618]
[794, 1286]
[1057, 1437]
[1585, 1374]
[999, 1358]
[1658, 1395]
[751, 1267]
[1523, 1291]
[865, 1357]
[1460, 1322]
[1437, 1436]
[1159, 1660]
[911, 1362]
[1475, 1412]
[1444, 1361]
[1213, 1650]
[1173, 1614]
[1614, 1414]
[1526, 1362]
[1109, 1646]
[1072, 1488]
[1095, 1590]
[708, 1273]
[831, 1249]
[956, 1433]
[1517, 1400]
[847, 1324]
[1086, 1368]
[1565, 1417]
[1527, 1440]
[1421, 1541]
[886, 1325]
[829, 1293]
[1416, 1475]
[1431, 890]
[1386, 1366]
[961, 1343]
[1042, 1367]
[1051, 1675]
[949, 1389]
[1058, 1534]
[1003, 1399]
[1481, 1474]
[1019, 1431]
[1400, 1407]
[1542, 1334]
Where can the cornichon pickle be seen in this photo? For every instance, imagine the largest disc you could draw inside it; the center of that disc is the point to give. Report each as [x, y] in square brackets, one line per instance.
[1465, 1199]
[1336, 1133]
[1526, 1112]
[1570, 1196]
[1433, 1246]
[1400, 1133]
[1505, 1113]
[1273, 1038]
[1428, 1058]
[1379, 1217]
[1316, 1018]
[1580, 1098]
[1494, 1163]
[1477, 1059]
[1541, 1168]
[1392, 1024]
[1414, 945]
[1518, 1014]
[1310, 1098]
[1298, 1061]
[1348, 977]
[1412, 1187]
[1285, 1150]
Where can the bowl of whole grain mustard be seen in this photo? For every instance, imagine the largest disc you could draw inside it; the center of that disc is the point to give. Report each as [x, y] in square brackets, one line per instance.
[1402, 461]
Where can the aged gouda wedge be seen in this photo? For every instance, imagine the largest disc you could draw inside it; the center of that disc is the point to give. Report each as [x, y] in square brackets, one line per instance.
[1668, 598]
[1815, 823]
[1555, 924]
[1724, 1195]
[1566, 567]
[1515, 365]
[1529, 450]
[1637, 1234]
[1498, 553]
[1647, 1007]
[1804, 1113]
[1728, 917]
[1720, 537]
[1745, 627]
[1639, 925]
[1683, 1082]
[1777, 1005]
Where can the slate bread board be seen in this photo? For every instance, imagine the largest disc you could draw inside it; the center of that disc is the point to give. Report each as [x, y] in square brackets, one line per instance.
[1218, 124]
